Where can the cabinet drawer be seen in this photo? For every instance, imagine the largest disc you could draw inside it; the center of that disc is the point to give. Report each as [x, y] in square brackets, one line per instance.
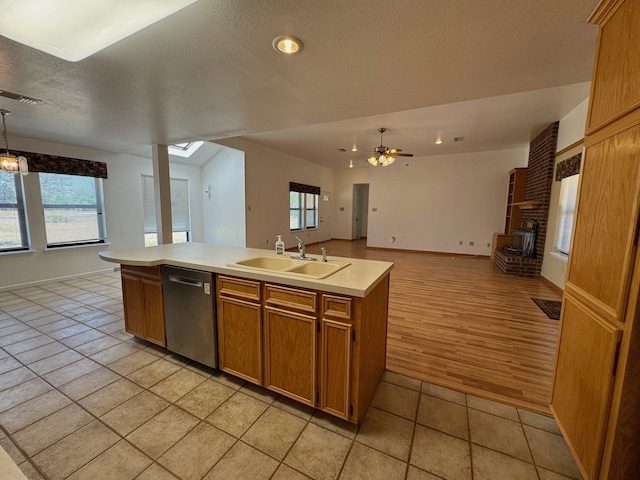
[151, 273]
[336, 307]
[303, 300]
[239, 287]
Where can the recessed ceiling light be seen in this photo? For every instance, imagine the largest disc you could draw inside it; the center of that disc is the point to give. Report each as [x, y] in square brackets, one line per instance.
[439, 141]
[354, 148]
[287, 44]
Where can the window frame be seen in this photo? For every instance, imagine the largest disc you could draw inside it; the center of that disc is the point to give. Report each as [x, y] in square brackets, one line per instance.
[564, 229]
[303, 210]
[149, 235]
[99, 208]
[21, 210]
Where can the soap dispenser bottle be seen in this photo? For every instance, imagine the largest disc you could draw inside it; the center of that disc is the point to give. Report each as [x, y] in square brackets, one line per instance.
[279, 246]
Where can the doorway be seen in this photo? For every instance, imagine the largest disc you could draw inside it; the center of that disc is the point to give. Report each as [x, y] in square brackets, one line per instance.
[360, 213]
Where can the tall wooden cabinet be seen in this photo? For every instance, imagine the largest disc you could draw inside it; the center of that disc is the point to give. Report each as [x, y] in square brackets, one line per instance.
[596, 386]
[517, 182]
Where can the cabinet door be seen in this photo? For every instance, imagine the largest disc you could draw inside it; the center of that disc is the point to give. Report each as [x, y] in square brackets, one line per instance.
[290, 349]
[133, 300]
[335, 368]
[240, 338]
[154, 312]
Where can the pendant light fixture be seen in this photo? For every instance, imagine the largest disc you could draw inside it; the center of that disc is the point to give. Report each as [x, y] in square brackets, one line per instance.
[8, 161]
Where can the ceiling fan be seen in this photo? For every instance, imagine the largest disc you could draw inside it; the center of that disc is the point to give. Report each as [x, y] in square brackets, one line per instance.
[385, 156]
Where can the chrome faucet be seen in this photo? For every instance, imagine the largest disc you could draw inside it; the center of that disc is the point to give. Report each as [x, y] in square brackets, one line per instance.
[324, 254]
[301, 248]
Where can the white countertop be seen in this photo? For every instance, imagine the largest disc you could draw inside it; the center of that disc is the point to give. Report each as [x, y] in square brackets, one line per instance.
[357, 279]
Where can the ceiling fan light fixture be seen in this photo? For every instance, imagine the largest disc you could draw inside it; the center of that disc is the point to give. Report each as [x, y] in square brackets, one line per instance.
[373, 160]
[389, 160]
[439, 141]
[350, 163]
[8, 161]
[287, 44]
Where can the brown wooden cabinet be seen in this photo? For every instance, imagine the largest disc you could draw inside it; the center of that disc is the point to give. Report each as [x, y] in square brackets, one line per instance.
[314, 347]
[597, 374]
[143, 303]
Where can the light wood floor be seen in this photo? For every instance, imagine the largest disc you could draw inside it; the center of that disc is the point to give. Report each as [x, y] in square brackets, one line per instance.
[459, 322]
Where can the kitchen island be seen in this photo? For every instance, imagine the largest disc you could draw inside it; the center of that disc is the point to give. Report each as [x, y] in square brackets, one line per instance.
[320, 341]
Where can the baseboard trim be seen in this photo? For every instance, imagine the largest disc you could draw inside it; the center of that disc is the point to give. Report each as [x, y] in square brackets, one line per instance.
[552, 285]
[57, 279]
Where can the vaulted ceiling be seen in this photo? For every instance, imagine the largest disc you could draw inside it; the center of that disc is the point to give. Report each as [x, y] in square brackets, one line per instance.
[494, 72]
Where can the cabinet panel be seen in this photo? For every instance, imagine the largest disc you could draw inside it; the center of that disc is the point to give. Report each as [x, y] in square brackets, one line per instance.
[295, 298]
[583, 381]
[154, 312]
[290, 354]
[337, 307]
[240, 338]
[616, 81]
[134, 318]
[335, 368]
[606, 221]
[239, 287]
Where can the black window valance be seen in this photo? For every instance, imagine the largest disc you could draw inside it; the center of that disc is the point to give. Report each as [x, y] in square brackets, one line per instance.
[568, 167]
[302, 188]
[44, 163]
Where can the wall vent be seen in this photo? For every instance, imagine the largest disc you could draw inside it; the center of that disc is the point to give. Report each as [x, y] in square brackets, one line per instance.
[458, 139]
[19, 97]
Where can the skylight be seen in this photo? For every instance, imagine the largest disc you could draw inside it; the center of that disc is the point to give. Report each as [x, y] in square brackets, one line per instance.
[184, 149]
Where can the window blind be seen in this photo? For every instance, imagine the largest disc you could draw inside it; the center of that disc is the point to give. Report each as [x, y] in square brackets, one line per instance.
[180, 215]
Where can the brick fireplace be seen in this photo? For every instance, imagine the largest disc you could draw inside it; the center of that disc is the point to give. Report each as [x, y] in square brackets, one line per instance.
[535, 206]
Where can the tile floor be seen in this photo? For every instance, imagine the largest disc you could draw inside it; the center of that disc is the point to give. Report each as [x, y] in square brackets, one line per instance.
[82, 399]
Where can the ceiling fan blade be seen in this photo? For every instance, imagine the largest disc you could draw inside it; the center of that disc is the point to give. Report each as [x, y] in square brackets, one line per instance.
[401, 154]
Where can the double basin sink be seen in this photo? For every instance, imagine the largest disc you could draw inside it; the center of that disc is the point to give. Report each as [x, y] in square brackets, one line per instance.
[292, 266]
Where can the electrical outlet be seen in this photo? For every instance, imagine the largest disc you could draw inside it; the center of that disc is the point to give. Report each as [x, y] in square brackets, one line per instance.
[488, 245]
[472, 243]
[267, 241]
[460, 243]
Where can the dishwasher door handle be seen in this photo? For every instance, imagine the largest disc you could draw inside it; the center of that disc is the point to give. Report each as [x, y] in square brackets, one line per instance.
[186, 281]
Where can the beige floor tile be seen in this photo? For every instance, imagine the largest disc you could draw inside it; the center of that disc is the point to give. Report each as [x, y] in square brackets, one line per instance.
[162, 432]
[68, 331]
[441, 454]
[494, 408]
[82, 338]
[46, 350]
[114, 353]
[397, 400]
[177, 385]
[15, 377]
[18, 337]
[121, 462]
[489, 465]
[550, 451]
[30, 471]
[133, 362]
[243, 462]
[203, 370]
[444, 393]
[8, 363]
[402, 380]
[365, 462]
[319, 453]
[112, 327]
[295, 408]
[237, 414]
[58, 325]
[156, 472]
[70, 372]
[46, 365]
[88, 384]
[128, 416]
[285, 472]
[47, 431]
[22, 392]
[545, 474]
[258, 392]
[33, 410]
[275, 432]
[13, 327]
[448, 417]
[194, 455]
[228, 380]
[97, 345]
[415, 473]
[69, 454]
[153, 373]
[336, 425]
[29, 344]
[539, 421]
[205, 398]
[498, 434]
[103, 400]
[386, 432]
[44, 317]
[101, 320]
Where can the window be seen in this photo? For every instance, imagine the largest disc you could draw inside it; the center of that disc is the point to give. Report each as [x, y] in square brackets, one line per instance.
[568, 196]
[303, 206]
[180, 213]
[13, 221]
[73, 209]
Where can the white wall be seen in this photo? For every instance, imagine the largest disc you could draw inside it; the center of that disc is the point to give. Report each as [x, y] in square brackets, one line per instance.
[224, 207]
[570, 131]
[432, 203]
[123, 215]
[267, 176]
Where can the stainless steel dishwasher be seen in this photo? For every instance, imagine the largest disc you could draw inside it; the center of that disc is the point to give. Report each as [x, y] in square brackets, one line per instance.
[189, 300]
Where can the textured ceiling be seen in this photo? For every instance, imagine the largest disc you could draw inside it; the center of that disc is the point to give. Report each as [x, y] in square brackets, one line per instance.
[460, 67]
